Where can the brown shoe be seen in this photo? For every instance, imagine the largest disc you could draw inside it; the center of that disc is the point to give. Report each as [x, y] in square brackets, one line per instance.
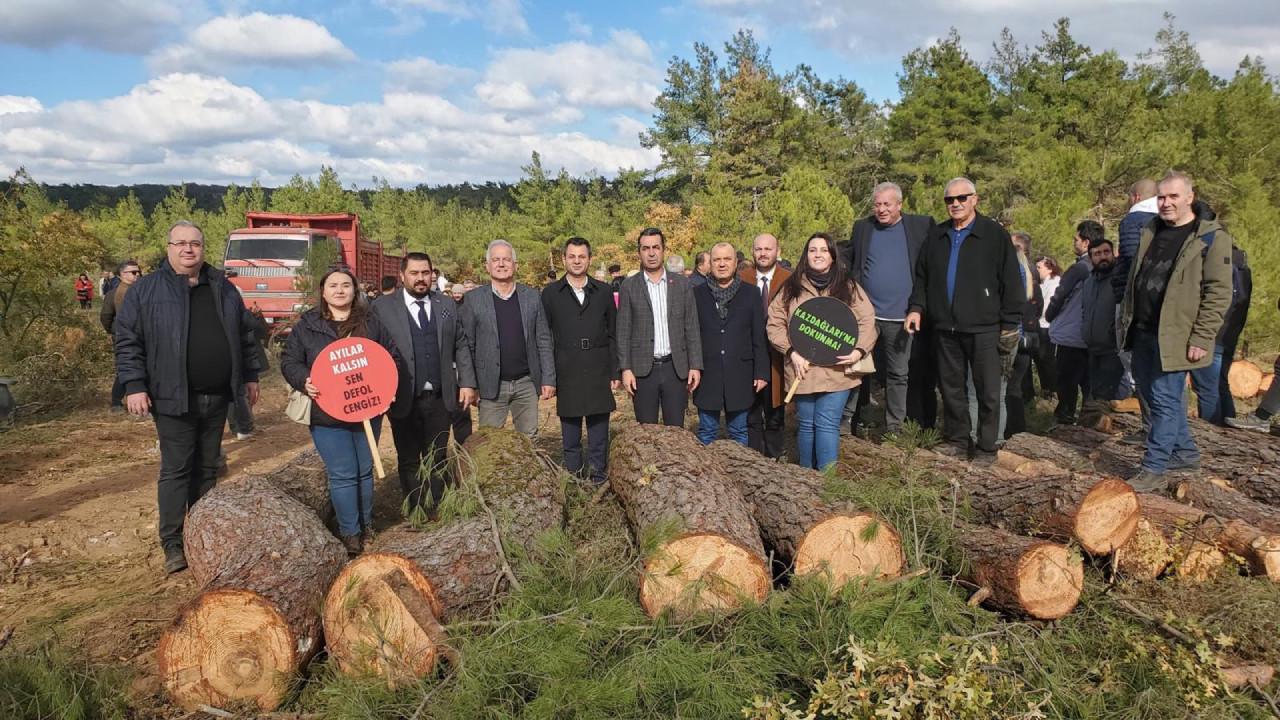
[354, 544]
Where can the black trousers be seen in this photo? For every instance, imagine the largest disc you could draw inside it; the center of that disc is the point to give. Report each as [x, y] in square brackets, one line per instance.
[461, 423]
[422, 440]
[117, 393]
[1073, 381]
[240, 415]
[661, 388]
[958, 355]
[1015, 397]
[1046, 362]
[922, 381]
[1105, 373]
[190, 445]
[765, 425]
[597, 446]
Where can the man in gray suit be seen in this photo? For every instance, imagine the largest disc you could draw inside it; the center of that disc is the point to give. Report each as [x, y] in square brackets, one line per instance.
[510, 344]
[659, 345]
[428, 331]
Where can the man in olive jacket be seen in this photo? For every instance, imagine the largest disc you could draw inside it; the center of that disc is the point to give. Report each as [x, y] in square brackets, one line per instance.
[1177, 294]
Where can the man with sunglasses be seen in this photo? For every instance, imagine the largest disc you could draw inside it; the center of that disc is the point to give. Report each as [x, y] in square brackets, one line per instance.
[183, 353]
[967, 281]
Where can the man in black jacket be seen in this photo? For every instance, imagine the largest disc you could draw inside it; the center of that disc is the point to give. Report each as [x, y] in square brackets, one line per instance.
[967, 280]
[1098, 326]
[581, 316]
[182, 354]
[129, 273]
[881, 255]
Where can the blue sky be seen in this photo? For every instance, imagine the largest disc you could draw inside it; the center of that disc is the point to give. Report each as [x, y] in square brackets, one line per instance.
[439, 91]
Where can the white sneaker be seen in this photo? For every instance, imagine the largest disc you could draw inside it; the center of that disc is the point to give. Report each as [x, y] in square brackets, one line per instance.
[243, 436]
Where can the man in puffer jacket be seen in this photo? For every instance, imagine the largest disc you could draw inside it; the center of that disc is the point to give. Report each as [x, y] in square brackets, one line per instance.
[1065, 317]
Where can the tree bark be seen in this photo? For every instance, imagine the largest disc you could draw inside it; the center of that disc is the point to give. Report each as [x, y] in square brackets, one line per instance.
[702, 547]
[265, 562]
[382, 614]
[1098, 459]
[1227, 503]
[305, 479]
[1035, 578]
[1191, 552]
[806, 532]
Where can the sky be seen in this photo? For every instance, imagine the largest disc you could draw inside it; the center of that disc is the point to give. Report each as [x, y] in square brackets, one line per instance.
[447, 91]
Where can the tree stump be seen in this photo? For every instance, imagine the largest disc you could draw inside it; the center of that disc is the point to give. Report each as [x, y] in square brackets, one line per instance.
[382, 613]
[702, 546]
[1035, 578]
[1244, 379]
[265, 562]
[804, 531]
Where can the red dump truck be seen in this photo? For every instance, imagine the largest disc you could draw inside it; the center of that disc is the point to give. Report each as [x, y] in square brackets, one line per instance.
[265, 258]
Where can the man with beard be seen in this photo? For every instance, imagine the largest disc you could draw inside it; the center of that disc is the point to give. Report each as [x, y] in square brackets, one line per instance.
[428, 331]
[735, 350]
[581, 315]
[768, 415]
[1098, 327]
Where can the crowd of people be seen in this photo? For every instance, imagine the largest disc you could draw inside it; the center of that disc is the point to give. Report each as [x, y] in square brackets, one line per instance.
[960, 310]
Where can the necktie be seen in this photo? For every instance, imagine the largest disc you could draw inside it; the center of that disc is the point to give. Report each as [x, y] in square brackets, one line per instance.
[764, 293]
[422, 312]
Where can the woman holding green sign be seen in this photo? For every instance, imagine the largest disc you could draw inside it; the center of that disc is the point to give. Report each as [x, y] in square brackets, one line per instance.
[822, 391]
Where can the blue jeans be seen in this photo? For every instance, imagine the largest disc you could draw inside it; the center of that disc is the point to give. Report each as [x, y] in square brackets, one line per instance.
[1207, 382]
[350, 466]
[709, 426]
[818, 436]
[1162, 391]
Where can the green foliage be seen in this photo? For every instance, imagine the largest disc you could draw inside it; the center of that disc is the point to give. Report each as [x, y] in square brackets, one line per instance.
[44, 684]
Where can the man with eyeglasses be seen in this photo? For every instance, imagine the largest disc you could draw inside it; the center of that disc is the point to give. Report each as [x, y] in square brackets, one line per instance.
[967, 281]
[128, 272]
[183, 353]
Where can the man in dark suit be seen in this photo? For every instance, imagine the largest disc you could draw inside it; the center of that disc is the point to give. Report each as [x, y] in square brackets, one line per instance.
[881, 256]
[510, 344]
[735, 352]
[659, 347]
[701, 269]
[967, 280]
[768, 414]
[582, 318]
[429, 333]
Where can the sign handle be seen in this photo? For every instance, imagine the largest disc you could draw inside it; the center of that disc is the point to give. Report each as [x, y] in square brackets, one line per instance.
[373, 449]
[791, 393]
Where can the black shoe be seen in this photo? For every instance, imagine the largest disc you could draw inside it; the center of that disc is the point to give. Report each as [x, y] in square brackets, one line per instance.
[984, 459]
[1149, 482]
[1134, 438]
[1176, 465]
[952, 449]
[354, 544]
[175, 560]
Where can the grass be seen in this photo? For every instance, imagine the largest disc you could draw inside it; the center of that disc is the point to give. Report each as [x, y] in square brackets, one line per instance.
[43, 683]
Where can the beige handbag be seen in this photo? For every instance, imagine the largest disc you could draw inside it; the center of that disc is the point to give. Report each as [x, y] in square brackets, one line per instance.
[299, 407]
[866, 365]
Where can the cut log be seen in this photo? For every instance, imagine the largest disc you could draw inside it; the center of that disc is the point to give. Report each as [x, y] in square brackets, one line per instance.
[382, 614]
[305, 479]
[708, 552]
[1146, 555]
[1238, 678]
[1035, 578]
[806, 532]
[1192, 553]
[1098, 459]
[265, 562]
[1197, 543]
[1244, 379]
[1227, 504]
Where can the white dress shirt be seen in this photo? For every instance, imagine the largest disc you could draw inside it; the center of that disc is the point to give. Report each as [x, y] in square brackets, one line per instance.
[411, 303]
[658, 301]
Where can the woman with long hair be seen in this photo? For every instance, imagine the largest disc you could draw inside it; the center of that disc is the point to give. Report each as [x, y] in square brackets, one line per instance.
[339, 312]
[84, 291]
[1050, 274]
[823, 391]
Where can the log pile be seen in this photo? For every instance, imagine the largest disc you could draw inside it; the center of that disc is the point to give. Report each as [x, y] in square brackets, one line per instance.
[383, 614]
[706, 552]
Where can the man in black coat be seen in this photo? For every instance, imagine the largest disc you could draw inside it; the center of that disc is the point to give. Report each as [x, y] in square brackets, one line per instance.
[428, 332]
[967, 280]
[881, 255]
[182, 354]
[735, 350]
[581, 315]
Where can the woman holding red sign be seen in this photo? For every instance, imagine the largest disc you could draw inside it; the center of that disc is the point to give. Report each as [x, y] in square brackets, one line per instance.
[339, 313]
[822, 391]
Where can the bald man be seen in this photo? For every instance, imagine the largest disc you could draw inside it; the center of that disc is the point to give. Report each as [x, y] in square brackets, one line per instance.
[767, 416]
[1142, 210]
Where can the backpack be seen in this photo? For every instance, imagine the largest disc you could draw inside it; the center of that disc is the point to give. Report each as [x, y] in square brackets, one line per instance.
[1239, 293]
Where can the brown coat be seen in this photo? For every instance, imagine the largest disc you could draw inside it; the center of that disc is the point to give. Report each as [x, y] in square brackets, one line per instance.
[819, 378]
[780, 275]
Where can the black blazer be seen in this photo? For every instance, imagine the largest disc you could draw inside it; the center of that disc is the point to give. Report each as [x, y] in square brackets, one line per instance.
[456, 368]
[735, 350]
[586, 356]
[989, 294]
[917, 228]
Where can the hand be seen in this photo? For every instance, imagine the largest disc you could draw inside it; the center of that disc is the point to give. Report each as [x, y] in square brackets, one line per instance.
[312, 390]
[695, 377]
[853, 357]
[138, 404]
[251, 392]
[613, 384]
[912, 323]
[548, 392]
[467, 398]
[800, 364]
[1195, 354]
[759, 385]
[629, 382]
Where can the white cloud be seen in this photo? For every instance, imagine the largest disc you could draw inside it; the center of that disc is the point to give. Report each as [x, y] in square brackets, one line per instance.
[122, 26]
[196, 128]
[617, 74]
[253, 39]
[577, 27]
[421, 74]
[505, 17]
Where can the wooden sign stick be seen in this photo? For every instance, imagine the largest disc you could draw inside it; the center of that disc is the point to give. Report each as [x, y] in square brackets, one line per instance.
[790, 393]
[373, 448]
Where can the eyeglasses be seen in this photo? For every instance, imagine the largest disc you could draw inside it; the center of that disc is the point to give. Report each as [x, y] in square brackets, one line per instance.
[131, 272]
[948, 199]
[194, 244]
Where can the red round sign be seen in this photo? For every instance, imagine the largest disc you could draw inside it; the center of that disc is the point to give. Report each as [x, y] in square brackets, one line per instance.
[356, 379]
